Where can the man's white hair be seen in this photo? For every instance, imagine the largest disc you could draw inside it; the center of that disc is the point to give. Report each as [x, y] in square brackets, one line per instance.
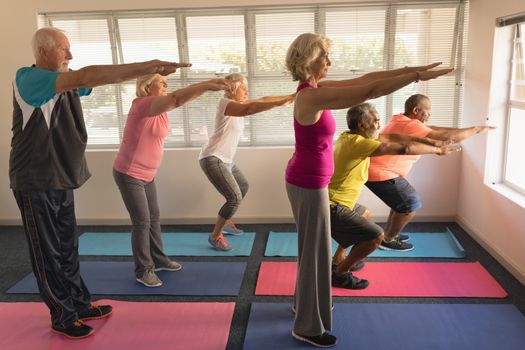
[44, 37]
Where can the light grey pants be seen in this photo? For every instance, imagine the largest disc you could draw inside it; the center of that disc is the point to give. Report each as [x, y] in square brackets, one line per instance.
[228, 180]
[313, 290]
[140, 198]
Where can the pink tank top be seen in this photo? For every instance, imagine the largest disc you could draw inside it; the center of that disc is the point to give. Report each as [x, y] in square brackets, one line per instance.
[312, 163]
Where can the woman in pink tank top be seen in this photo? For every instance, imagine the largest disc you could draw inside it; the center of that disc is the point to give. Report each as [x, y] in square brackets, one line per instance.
[311, 167]
[137, 162]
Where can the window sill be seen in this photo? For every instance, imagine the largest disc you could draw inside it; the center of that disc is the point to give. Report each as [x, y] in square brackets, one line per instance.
[509, 193]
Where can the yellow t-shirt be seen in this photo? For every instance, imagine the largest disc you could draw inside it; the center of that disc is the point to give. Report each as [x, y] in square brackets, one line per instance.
[351, 160]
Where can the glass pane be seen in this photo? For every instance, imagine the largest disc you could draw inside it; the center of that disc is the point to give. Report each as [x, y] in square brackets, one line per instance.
[358, 39]
[441, 92]
[90, 45]
[514, 165]
[273, 127]
[216, 44]
[144, 39]
[424, 36]
[518, 67]
[274, 34]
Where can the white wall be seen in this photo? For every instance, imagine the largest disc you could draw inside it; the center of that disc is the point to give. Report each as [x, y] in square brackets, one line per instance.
[495, 221]
[185, 195]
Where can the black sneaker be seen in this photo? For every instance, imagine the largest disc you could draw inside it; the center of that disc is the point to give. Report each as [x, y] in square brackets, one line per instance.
[348, 281]
[77, 330]
[403, 238]
[322, 341]
[358, 266]
[95, 312]
[396, 245]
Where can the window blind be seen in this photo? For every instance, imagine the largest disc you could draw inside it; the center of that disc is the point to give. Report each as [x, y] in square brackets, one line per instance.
[253, 41]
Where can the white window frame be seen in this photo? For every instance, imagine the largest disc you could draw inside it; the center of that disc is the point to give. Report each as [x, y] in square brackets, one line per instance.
[500, 106]
[249, 13]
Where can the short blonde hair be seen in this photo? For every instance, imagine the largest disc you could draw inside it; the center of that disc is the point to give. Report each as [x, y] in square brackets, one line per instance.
[235, 76]
[304, 50]
[142, 84]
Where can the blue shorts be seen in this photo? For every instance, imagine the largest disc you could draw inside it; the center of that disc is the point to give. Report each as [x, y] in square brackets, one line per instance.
[397, 193]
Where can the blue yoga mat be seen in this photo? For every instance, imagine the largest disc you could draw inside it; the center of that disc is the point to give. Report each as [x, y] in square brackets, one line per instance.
[426, 245]
[175, 244]
[117, 277]
[397, 326]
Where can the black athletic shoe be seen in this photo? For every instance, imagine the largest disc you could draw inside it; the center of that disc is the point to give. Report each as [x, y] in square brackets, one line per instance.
[77, 330]
[348, 281]
[396, 245]
[358, 266]
[322, 341]
[94, 312]
[403, 238]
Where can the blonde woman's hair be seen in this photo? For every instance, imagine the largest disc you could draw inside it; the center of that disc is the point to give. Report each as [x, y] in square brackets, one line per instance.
[305, 49]
[235, 76]
[143, 83]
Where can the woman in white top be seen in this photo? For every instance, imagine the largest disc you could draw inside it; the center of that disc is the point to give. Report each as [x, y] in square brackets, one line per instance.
[216, 157]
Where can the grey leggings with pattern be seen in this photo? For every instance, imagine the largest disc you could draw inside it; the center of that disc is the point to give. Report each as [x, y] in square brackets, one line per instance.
[228, 180]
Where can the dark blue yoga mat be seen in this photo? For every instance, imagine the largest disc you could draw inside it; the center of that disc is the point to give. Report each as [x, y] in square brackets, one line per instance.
[117, 277]
[175, 244]
[426, 245]
[397, 326]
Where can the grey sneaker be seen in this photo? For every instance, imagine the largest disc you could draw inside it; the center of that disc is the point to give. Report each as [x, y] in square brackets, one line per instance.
[150, 279]
[169, 266]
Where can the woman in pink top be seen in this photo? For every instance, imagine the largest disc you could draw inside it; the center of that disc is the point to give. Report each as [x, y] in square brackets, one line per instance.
[311, 166]
[136, 165]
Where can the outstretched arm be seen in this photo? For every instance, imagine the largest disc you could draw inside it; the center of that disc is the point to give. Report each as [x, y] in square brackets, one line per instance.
[236, 109]
[413, 148]
[374, 76]
[408, 138]
[92, 76]
[179, 97]
[310, 101]
[457, 134]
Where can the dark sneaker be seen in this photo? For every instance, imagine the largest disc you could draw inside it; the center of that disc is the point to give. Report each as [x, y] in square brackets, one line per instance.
[95, 312]
[77, 330]
[396, 245]
[169, 266]
[403, 238]
[348, 281]
[322, 341]
[358, 266]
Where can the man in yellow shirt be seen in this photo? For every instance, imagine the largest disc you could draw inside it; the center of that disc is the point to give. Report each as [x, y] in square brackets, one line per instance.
[350, 221]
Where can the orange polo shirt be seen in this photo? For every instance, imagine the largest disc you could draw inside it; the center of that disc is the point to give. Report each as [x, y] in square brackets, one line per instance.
[391, 166]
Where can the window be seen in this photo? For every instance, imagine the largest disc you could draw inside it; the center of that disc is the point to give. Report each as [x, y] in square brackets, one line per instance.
[514, 170]
[253, 41]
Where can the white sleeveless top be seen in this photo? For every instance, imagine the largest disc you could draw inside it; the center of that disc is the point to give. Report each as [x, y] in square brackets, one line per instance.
[226, 135]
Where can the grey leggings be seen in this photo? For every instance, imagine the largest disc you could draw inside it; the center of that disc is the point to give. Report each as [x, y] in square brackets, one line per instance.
[228, 180]
[313, 291]
[140, 198]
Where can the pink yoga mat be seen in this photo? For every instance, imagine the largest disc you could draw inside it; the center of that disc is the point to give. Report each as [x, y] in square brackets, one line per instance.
[132, 326]
[395, 279]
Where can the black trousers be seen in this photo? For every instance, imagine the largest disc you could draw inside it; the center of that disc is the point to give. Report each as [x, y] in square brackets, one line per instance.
[51, 232]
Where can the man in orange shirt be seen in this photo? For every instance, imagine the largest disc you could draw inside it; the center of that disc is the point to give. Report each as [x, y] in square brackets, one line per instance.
[386, 174]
